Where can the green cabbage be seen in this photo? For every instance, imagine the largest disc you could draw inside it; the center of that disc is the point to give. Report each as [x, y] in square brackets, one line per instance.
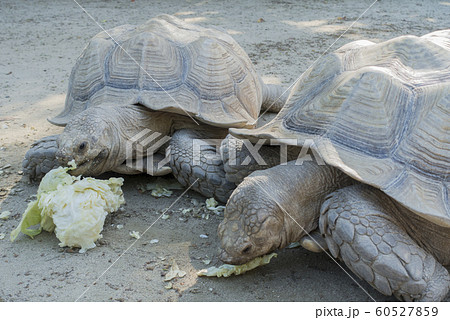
[74, 208]
[227, 270]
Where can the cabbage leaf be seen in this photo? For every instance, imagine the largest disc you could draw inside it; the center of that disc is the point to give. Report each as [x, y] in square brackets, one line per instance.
[74, 208]
[227, 270]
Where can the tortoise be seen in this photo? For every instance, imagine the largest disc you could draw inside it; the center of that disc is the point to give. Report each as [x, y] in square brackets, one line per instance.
[162, 77]
[378, 117]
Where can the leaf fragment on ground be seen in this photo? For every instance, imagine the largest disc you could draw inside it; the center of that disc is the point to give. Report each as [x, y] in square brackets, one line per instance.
[165, 216]
[174, 272]
[227, 270]
[5, 215]
[160, 192]
[211, 203]
[135, 234]
[169, 286]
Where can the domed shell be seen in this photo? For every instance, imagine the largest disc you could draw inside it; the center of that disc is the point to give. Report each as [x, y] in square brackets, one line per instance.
[168, 65]
[380, 113]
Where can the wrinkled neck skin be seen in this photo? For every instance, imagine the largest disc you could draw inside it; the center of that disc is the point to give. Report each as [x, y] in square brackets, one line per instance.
[309, 184]
[138, 122]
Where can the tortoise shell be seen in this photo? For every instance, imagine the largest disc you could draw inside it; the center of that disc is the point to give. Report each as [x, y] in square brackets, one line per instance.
[167, 65]
[380, 113]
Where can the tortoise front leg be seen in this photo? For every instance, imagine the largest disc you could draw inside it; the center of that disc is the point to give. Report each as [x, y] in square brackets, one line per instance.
[41, 158]
[188, 164]
[361, 227]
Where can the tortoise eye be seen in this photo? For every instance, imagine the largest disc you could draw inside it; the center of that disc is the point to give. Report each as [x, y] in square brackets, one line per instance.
[82, 146]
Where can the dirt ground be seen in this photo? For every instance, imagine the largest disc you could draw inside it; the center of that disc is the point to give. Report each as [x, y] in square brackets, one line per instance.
[40, 41]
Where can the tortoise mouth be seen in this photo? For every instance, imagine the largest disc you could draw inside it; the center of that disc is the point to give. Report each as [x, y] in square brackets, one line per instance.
[229, 259]
[92, 166]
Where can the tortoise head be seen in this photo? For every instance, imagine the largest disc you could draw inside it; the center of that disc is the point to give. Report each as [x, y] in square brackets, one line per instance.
[90, 139]
[252, 226]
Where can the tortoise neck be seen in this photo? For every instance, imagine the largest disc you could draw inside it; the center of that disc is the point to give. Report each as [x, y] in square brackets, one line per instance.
[309, 184]
[133, 125]
[273, 97]
[183, 122]
[136, 124]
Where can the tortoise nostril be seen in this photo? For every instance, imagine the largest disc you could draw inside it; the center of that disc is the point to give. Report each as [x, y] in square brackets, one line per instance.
[246, 249]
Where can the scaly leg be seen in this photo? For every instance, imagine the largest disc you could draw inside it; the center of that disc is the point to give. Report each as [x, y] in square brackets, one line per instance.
[206, 166]
[360, 226]
[40, 159]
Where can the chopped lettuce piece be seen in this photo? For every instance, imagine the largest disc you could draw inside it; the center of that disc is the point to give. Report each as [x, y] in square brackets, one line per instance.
[74, 208]
[174, 272]
[227, 270]
[135, 234]
[161, 192]
[5, 215]
[211, 203]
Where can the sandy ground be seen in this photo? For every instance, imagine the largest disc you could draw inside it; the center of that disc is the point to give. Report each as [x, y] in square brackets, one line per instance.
[40, 41]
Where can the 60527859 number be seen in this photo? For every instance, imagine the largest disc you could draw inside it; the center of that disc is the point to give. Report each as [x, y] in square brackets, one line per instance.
[407, 311]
